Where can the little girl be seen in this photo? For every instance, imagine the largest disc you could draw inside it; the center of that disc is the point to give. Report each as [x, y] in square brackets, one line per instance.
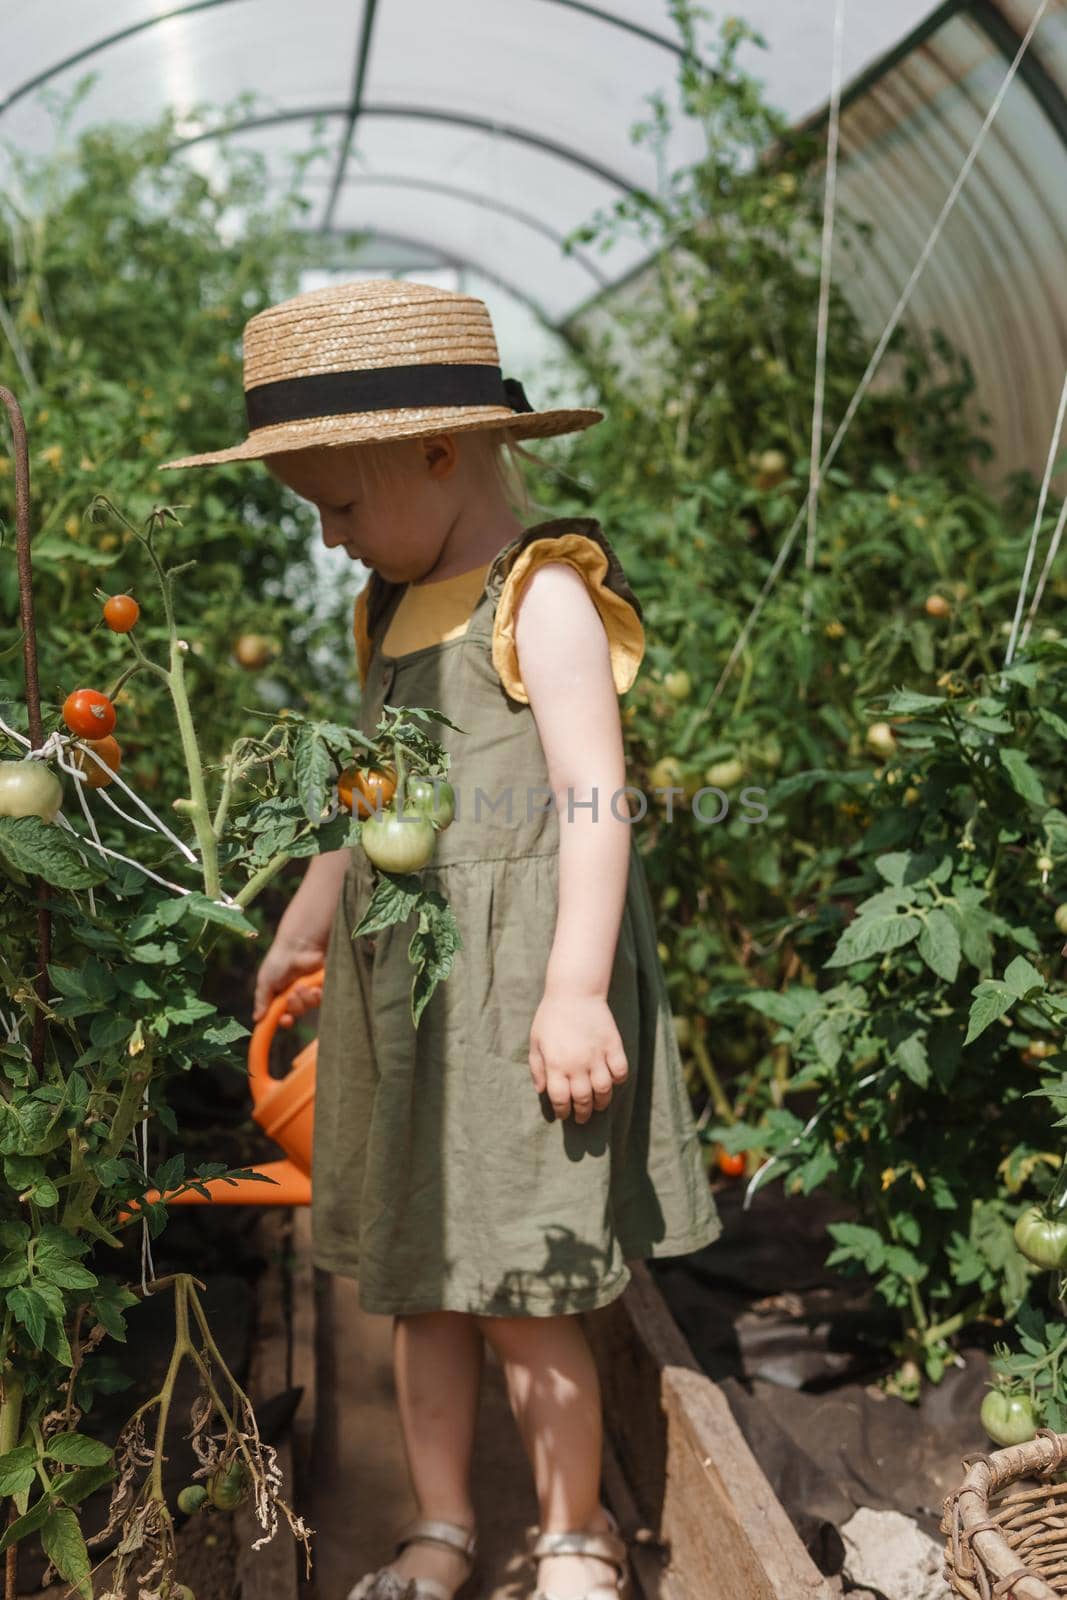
[486, 1175]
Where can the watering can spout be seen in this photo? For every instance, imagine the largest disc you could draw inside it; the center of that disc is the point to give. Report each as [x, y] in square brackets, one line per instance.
[284, 1109]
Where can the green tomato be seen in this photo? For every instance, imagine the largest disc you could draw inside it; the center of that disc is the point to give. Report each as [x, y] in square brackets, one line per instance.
[881, 739]
[1041, 1240]
[1008, 1418]
[228, 1485]
[191, 1498]
[29, 789]
[678, 685]
[399, 844]
[724, 774]
[1060, 918]
[439, 806]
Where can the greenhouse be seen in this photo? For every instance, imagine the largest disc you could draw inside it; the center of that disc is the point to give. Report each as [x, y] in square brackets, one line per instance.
[533, 833]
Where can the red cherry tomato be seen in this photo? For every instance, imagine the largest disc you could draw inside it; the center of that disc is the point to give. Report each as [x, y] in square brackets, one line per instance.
[731, 1165]
[89, 714]
[121, 612]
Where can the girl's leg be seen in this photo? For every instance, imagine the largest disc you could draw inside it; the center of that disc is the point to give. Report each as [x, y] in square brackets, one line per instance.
[437, 1361]
[555, 1396]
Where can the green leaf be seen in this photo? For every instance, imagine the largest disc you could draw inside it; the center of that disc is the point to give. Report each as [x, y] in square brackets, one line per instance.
[77, 1450]
[197, 907]
[1022, 777]
[18, 1469]
[73, 1487]
[312, 770]
[991, 1000]
[856, 1243]
[45, 850]
[939, 944]
[1022, 978]
[394, 899]
[56, 1267]
[905, 702]
[23, 1526]
[30, 1310]
[912, 1059]
[432, 949]
[872, 935]
[65, 1548]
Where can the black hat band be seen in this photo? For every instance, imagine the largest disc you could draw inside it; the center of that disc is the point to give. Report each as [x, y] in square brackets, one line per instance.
[329, 394]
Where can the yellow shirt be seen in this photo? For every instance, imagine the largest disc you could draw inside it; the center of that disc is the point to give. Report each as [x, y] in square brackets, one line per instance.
[429, 613]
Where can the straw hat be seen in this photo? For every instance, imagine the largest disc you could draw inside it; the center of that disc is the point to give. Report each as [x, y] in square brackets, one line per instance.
[377, 359]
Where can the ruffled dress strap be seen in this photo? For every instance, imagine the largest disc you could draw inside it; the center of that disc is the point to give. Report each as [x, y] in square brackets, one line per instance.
[580, 542]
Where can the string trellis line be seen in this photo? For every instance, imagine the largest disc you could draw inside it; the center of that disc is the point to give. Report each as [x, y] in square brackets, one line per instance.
[882, 345]
[1035, 532]
[825, 278]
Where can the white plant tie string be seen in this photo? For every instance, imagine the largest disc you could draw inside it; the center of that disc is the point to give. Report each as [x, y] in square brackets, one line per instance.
[882, 345]
[825, 278]
[773, 1161]
[1053, 551]
[148, 1266]
[1035, 532]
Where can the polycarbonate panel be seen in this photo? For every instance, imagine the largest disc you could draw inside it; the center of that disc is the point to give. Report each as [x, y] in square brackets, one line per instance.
[279, 144]
[518, 257]
[1050, 40]
[204, 56]
[994, 282]
[559, 74]
[554, 192]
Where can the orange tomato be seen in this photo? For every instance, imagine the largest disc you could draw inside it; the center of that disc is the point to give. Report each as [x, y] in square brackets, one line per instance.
[731, 1165]
[370, 789]
[110, 751]
[121, 612]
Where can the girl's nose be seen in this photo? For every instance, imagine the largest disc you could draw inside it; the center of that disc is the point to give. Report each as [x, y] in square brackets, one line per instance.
[332, 533]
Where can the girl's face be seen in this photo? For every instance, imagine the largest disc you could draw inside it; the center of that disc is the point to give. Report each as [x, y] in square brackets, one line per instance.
[398, 526]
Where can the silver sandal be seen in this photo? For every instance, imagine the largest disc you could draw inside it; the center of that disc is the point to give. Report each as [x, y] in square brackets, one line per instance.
[607, 1546]
[387, 1585]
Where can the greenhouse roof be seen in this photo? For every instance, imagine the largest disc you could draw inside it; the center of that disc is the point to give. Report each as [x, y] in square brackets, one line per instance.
[465, 141]
[482, 131]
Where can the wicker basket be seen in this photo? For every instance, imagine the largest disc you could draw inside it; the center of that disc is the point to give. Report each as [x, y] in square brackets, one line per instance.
[1009, 1546]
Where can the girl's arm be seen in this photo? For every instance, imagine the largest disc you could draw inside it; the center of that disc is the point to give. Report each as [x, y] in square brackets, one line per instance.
[575, 1050]
[303, 933]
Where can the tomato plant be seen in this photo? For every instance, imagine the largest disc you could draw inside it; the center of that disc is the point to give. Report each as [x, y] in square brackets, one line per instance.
[89, 714]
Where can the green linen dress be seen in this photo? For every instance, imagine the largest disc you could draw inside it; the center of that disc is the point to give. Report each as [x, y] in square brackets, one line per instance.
[441, 1180]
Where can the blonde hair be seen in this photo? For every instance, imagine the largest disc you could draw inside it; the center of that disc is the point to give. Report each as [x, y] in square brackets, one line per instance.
[492, 453]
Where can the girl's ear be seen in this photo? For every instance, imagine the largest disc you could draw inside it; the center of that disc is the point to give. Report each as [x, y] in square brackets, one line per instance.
[440, 454]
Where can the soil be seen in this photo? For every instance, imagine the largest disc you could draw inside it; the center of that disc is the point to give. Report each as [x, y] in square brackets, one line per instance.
[798, 1350]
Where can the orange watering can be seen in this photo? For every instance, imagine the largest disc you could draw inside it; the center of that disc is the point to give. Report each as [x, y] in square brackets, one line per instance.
[284, 1109]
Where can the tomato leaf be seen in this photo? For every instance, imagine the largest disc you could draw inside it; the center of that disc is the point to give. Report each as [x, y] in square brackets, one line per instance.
[872, 935]
[991, 1000]
[312, 770]
[77, 1450]
[27, 1524]
[18, 1469]
[45, 850]
[939, 944]
[1022, 777]
[64, 1546]
[432, 949]
[394, 899]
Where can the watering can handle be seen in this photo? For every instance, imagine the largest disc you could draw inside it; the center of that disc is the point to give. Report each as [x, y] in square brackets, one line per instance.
[265, 1029]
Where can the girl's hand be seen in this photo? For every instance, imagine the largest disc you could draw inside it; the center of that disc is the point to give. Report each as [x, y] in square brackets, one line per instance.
[576, 1053]
[280, 966]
